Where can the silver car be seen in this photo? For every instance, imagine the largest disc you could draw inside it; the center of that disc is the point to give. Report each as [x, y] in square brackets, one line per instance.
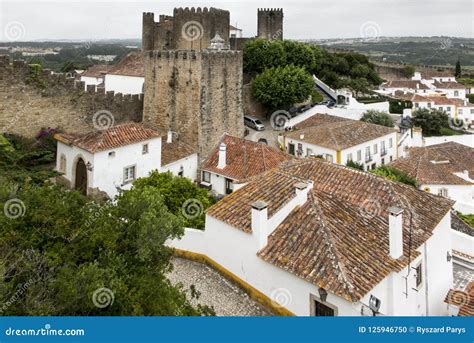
[254, 123]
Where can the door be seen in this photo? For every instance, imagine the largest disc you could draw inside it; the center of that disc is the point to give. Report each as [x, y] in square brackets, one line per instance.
[291, 149]
[322, 310]
[81, 177]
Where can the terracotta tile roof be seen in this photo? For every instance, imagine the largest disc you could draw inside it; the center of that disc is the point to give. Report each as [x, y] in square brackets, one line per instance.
[436, 164]
[175, 151]
[412, 84]
[463, 299]
[96, 71]
[245, 158]
[449, 85]
[409, 96]
[335, 132]
[131, 65]
[334, 241]
[116, 136]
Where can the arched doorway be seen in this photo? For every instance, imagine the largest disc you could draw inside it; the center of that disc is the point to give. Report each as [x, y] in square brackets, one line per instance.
[81, 177]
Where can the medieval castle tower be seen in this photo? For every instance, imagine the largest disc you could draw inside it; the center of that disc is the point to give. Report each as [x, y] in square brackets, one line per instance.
[270, 23]
[193, 84]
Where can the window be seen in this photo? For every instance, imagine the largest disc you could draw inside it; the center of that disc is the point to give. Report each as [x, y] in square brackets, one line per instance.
[349, 157]
[376, 148]
[390, 142]
[374, 165]
[291, 149]
[460, 111]
[206, 177]
[359, 155]
[322, 310]
[443, 192]
[368, 158]
[383, 161]
[456, 93]
[128, 174]
[440, 108]
[329, 157]
[448, 109]
[229, 186]
[417, 105]
[309, 152]
[62, 164]
[429, 104]
[391, 158]
[419, 275]
[472, 111]
[145, 149]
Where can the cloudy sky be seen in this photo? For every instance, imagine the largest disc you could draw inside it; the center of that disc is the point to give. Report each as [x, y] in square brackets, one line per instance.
[86, 19]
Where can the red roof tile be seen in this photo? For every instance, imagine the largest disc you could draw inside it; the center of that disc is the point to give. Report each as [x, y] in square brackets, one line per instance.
[463, 299]
[131, 65]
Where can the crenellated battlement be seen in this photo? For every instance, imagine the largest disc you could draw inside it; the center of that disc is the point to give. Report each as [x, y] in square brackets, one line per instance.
[271, 10]
[270, 23]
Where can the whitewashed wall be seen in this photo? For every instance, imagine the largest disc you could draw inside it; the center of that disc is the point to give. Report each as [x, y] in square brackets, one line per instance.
[463, 195]
[189, 165]
[124, 84]
[462, 242]
[91, 81]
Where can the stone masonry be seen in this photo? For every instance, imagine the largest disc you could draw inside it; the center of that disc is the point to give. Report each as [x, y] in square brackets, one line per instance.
[197, 94]
[53, 100]
[270, 23]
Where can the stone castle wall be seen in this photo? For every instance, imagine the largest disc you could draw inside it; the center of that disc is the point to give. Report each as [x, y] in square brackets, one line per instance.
[53, 100]
[188, 29]
[270, 23]
[197, 94]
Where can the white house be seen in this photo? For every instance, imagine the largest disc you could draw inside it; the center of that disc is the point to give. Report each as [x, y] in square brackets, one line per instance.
[127, 76]
[445, 169]
[109, 160]
[451, 89]
[340, 140]
[94, 75]
[412, 86]
[322, 239]
[433, 75]
[234, 160]
[235, 32]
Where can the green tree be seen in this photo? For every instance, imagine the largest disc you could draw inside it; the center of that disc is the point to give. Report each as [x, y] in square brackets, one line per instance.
[66, 256]
[260, 54]
[181, 196]
[359, 85]
[282, 86]
[355, 165]
[395, 175]
[378, 117]
[431, 121]
[458, 71]
[408, 71]
[298, 54]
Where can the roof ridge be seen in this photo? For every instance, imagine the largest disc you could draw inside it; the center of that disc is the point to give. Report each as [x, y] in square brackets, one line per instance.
[348, 283]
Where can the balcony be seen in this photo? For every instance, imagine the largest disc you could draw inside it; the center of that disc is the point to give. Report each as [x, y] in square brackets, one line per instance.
[368, 158]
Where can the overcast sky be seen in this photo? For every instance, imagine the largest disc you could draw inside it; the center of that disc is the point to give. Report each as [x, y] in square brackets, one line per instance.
[71, 19]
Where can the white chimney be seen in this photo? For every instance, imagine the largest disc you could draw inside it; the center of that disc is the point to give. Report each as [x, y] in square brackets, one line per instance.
[302, 190]
[221, 163]
[417, 137]
[169, 139]
[395, 232]
[260, 222]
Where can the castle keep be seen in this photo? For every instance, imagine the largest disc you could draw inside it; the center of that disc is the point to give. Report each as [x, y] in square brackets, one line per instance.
[187, 29]
[193, 89]
[270, 23]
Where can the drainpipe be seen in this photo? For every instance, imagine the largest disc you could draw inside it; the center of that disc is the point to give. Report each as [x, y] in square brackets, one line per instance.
[426, 279]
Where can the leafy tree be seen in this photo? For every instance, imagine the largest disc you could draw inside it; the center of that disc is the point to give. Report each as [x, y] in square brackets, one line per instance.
[282, 86]
[395, 175]
[359, 85]
[408, 71]
[355, 165]
[181, 196]
[67, 256]
[68, 66]
[431, 122]
[298, 54]
[378, 117]
[260, 54]
[458, 71]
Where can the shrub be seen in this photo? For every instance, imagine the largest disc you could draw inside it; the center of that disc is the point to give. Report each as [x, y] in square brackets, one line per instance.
[395, 175]
[355, 165]
[378, 117]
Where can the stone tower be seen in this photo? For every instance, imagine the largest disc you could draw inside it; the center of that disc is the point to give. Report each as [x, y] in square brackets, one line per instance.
[197, 94]
[188, 29]
[270, 23]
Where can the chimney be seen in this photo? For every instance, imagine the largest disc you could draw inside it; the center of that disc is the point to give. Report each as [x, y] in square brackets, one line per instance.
[222, 156]
[302, 190]
[395, 232]
[260, 222]
[169, 139]
[417, 137]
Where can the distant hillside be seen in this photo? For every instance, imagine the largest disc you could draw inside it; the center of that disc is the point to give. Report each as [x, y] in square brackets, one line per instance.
[436, 51]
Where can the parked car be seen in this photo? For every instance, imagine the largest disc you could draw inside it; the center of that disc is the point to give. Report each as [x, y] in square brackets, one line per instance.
[293, 111]
[253, 123]
[263, 140]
